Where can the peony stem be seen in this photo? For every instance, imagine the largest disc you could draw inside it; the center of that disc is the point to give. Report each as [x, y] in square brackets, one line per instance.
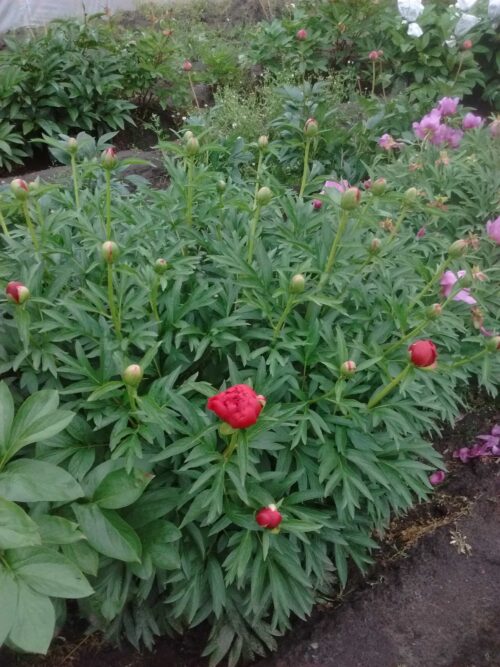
[189, 200]
[253, 233]
[474, 357]
[193, 91]
[305, 171]
[228, 452]
[373, 77]
[75, 180]
[430, 284]
[154, 297]
[3, 225]
[132, 396]
[29, 224]
[289, 305]
[112, 303]
[379, 396]
[107, 174]
[344, 218]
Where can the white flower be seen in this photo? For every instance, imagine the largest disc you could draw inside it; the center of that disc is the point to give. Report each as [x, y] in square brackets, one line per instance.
[494, 9]
[465, 23]
[410, 9]
[414, 30]
[450, 43]
[465, 5]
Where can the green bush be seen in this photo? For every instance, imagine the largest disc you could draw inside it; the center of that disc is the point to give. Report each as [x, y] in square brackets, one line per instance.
[255, 287]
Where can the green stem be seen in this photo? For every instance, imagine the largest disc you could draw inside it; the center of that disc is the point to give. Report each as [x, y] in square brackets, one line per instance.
[189, 201]
[3, 225]
[257, 176]
[193, 91]
[284, 315]
[228, 452]
[398, 224]
[112, 303]
[420, 327]
[154, 298]
[379, 396]
[468, 360]
[132, 396]
[29, 224]
[344, 218]
[107, 173]
[459, 67]
[253, 233]
[75, 180]
[431, 283]
[328, 394]
[305, 171]
[373, 77]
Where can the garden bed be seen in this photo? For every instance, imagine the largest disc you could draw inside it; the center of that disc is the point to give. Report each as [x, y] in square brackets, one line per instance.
[424, 602]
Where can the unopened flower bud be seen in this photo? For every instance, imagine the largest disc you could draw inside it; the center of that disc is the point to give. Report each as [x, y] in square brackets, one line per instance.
[17, 292]
[269, 517]
[317, 204]
[350, 199]
[161, 265]
[188, 135]
[494, 343]
[434, 311]
[375, 246]
[467, 44]
[192, 146]
[348, 367]
[410, 196]
[109, 251]
[221, 186]
[311, 127]
[297, 283]
[72, 145]
[458, 248]
[132, 375]
[19, 189]
[264, 196]
[477, 317]
[263, 142]
[108, 158]
[187, 66]
[301, 34]
[379, 186]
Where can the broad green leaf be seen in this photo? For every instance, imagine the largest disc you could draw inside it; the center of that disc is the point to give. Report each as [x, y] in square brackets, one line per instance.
[8, 603]
[108, 533]
[34, 622]
[6, 415]
[29, 480]
[83, 555]
[120, 488]
[48, 572]
[57, 530]
[16, 527]
[158, 538]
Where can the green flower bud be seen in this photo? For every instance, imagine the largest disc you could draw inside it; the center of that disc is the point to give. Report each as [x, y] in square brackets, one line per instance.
[221, 186]
[133, 375]
[297, 283]
[348, 367]
[379, 186]
[188, 135]
[458, 248]
[109, 251]
[311, 128]
[350, 199]
[192, 146]
[493, 344]
[72, 145]
[264, 196]
[20, 189]
[108, 158]
[410, 196]
[375, 246]
[434, 311]
[161, 265]
[263, 142]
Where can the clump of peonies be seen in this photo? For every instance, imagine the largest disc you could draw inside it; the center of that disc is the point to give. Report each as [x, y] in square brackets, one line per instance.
[269, 517]
[489, 445]
[447, 282]
[432, 127]
[423, 353]
[238, 406]
[493, 229]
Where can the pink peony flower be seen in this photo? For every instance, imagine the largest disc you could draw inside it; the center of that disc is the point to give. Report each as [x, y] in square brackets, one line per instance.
[387, 142]
[447, 106]
[493, 230]
[471, 121]
[448, 280]
[428, 126]
[421, 233]
[447, 136]
[373, 55]
[340, 186]
[437, 477]
[489, 445]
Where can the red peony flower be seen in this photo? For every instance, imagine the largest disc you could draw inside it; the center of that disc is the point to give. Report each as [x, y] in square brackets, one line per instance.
[17, 292]
[239, 406]
[269, 517]
[187, 66]
[423, 353]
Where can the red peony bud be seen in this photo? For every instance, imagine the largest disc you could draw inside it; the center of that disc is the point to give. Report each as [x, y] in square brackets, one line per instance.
[467, 44]
[17, 292]
[421, 233]
[133, 375]
[269, 517]
[317, 204]
[187, 66]
[373, 55]
[20, 189]
[348, 367]
[108, 158]
[311, 127]
[350, 199]
[301, 34]
[239, 406]
[423, 353]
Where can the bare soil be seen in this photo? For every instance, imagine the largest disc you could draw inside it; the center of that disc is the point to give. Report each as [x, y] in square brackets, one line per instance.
[432, 600]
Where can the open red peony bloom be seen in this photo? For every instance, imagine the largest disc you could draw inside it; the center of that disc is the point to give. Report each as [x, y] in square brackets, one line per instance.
[239, 406]
[17, 292]
[423, 353]
[269, 517]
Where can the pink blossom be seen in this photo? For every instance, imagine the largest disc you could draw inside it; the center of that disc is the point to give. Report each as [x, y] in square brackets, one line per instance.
[367, 184]
[387, 142]
[448, 136]
[437, 477]
[340, 186]
[373, 55]
[448, 280]
[489, 445]
[447, 106]
[493, 230]
[317, 204]
[428, 126]
[421, 233]
[471, 121]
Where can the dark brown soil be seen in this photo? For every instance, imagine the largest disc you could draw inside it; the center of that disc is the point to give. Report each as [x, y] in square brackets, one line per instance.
[432, 600]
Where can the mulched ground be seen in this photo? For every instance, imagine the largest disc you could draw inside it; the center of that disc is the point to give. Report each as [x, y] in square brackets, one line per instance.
[432, 600]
